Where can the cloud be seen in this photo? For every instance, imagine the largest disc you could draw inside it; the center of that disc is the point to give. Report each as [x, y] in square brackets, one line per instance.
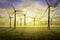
[29, 0]
[3, 1]
[25, 0]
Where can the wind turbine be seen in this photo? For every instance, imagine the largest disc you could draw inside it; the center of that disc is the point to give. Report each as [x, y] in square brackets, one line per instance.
[34, 20]
[9, 17]
[51, 5]
[24, 16]
[15, 14]
[20, 21]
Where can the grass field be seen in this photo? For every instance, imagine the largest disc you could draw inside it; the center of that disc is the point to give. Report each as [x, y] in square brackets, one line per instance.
[30, 33]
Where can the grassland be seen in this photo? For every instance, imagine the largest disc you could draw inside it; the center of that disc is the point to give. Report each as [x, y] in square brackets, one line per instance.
[30, 33]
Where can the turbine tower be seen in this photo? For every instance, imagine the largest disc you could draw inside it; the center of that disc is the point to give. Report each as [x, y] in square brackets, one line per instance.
[15, 14]
[9, 17]
[51, 5]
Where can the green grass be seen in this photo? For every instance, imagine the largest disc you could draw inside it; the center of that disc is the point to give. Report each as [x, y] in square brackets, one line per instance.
[29, 33]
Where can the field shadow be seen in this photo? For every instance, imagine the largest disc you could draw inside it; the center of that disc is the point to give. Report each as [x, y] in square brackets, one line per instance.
[5, 30]
[54, 32]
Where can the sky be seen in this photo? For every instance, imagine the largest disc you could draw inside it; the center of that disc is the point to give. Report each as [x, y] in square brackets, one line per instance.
[30, 5]
[6, 2]
[32, 8]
